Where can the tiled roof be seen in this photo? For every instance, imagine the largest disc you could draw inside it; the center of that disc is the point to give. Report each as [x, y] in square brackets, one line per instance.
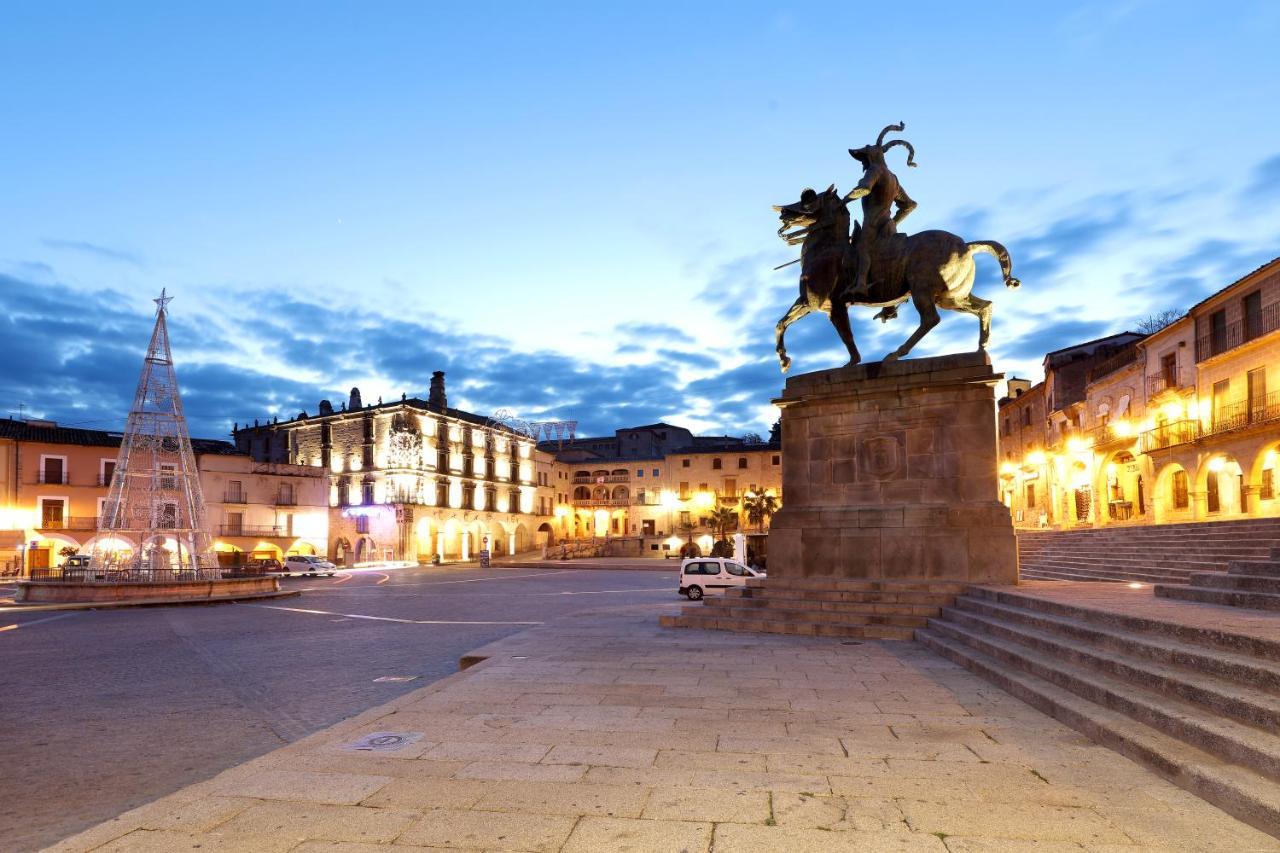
[34, 431]
[733, 446]
[412, 402]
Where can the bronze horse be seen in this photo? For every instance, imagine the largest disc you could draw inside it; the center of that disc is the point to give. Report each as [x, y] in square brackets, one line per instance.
[935, 269]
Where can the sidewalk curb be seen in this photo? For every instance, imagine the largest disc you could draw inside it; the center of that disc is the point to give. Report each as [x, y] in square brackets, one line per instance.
[144, 602]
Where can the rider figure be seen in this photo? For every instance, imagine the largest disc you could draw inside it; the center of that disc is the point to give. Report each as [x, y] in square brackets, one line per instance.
[880, 191]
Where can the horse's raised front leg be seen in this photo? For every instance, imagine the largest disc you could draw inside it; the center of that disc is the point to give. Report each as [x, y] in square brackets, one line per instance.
[799, 309]
[923, 301]
[840, 319]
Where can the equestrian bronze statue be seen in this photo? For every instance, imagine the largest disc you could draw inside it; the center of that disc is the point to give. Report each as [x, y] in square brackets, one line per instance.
[876, 266]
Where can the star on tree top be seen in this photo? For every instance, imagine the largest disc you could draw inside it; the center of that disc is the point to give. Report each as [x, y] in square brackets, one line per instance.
[163, 301]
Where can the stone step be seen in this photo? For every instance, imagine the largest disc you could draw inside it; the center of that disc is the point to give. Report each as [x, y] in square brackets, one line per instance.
[1237, 581]
[1225, 597]
[1102, 565]
[1263, 568]
[1250, 747]
[1243, 669]
[1066, 575]
[847, 585]
[1212, 638]
[776, 603]
[708, 621]
[867, 596]
[1240, 792]
[826, 617]
[1180, 564]
[1087, 574]
[1247, 705]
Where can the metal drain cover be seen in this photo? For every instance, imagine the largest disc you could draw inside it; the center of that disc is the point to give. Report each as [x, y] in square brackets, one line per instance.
[384, 741]
[395, 678]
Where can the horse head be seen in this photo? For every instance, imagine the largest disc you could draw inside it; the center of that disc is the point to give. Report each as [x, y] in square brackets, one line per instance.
[815, 211]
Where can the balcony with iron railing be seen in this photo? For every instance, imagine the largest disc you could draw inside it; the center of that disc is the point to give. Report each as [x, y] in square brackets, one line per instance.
[71, 522]
[603, 502]
[579, 479]
[1170, 435]
[251, 530]
[286, 500]
[1120, 360]
[1112, 433]
[1167, 380]
[1245, 414]
[50, 478]
[235, 497]
[1232, 335]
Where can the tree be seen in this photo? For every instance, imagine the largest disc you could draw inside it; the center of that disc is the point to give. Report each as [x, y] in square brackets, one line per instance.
[758, 507]
[723, 519]
[1155, 322]
[775, 432]
[752, 438]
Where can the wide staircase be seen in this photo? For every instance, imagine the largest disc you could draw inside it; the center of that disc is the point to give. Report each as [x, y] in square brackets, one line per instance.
[1196, 702]
[818, 607]
[1163, 553]
[1247, 583]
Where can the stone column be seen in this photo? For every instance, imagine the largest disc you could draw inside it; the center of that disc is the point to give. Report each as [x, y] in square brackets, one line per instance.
[890, 473]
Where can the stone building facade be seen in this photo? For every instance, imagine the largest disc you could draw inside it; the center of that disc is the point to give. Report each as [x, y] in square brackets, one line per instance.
[654, 487]
[1181, 426]
[54, 480]
[415, 479]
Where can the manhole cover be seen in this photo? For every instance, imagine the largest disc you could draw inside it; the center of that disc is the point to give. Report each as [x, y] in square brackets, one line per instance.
[395, 678]
[385, 741]
[850, 642]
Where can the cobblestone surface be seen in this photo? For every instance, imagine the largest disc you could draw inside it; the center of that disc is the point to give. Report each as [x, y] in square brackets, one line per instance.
[602, 732]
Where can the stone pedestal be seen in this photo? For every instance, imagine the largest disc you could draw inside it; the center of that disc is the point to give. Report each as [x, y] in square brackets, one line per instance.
[889, 474]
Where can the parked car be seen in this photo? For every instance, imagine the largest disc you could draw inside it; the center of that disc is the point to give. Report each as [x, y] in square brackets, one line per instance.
[77, 561]
[264, 566]
[701, 575]
[308, 565]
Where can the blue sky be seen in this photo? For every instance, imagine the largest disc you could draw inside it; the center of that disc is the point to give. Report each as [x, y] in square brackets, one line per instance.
[567, 206]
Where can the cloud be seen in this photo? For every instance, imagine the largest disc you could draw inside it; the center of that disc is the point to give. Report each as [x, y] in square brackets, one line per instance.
[85, 247]
[1265, 181]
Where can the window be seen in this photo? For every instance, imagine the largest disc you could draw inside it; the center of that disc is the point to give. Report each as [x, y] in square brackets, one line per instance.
[235, 492]
[366, 493]
[1268, 491]
[108, 471]
[730, 487]
[288, 524]
[1221, 390]
[1257, 394]
[1252, 310]
[1026, 417]
[286, 494]
[1217, 332]
[167, 516]
[168, 480]
[742, 462]
[1031, 495]
[655, 472]
[1006, 427]
[53, 469]
[640, 496]
[684, 491]
[777, 460]
[1180, 500]
[639, 472]
[235, 523]
[1169, 369]
[715, 464]
[52, 513]
[702, 487]
[362, 524]
[648, 527]
[735, 569]
[684, 463]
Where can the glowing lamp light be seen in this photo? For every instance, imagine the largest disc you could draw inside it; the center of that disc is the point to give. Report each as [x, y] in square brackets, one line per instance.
[704, 499]
[1173, 411]
[561, 512]
[1217, 463]
[1036, 457]
[1075, 444]
[1135, 586]
[1123, 429]
[669, 499]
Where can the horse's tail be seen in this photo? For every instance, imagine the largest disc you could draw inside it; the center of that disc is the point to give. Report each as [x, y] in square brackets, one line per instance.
[995, 250]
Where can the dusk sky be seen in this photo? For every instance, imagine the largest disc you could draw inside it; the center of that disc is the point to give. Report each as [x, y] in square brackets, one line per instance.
[567, 206]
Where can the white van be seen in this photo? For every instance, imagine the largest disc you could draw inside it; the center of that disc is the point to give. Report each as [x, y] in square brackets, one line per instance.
[700, 575]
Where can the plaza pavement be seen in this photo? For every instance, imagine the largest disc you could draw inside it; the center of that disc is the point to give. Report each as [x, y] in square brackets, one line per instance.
[603, 732]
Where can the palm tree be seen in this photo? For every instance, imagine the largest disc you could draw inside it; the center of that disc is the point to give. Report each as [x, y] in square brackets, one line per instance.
[759, 507]
[722, 519]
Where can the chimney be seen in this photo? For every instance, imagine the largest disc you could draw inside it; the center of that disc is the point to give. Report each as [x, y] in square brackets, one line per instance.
[353, 404]
[436, 398]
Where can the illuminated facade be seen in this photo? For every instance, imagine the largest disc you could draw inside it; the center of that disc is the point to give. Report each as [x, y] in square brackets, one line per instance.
[54, 481]
[413, 479]
[1179, 426]
[655, 487]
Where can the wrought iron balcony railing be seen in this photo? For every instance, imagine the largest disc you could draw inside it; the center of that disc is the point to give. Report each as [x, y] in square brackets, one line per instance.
[1232, 335]
[1170, 435]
